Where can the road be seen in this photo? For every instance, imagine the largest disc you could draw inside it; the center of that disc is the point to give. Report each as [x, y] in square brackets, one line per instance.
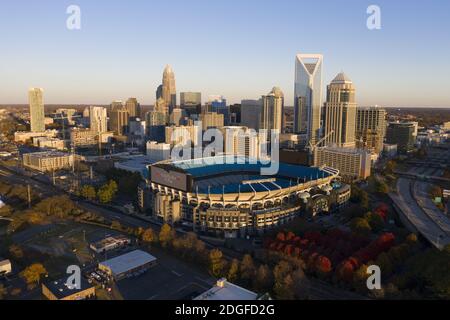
[411, 210]
[421, 194]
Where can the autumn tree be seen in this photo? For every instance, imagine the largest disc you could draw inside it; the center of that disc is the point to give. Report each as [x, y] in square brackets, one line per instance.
[148, 236]
[360, 227]
[247, 268]
[283, 287]
[107, 192]
[88, 192]
[216, 263]
[263, 279]
[33, 273]
[359, 279]
[166, 235]
[233, 271]
[375, 221]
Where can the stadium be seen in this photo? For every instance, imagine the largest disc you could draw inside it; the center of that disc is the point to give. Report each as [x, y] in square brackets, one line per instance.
[227, 195]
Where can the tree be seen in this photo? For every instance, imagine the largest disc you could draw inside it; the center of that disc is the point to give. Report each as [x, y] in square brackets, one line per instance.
[247, 268]
[16, 251]
[323, 265]
[375, 221]
[360, 279]
[107, 192]
[283, 287]
[166, 235]
[216, 263]
[384, 263]
[263, 280]
[6, 211]
[300, 284]
[88, 192]
[33, 273]
[233, 271]
[360, 226]
[3, 291]
[381, 187]
[148, 236]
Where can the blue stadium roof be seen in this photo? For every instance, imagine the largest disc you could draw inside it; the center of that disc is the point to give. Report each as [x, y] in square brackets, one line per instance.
[226, 174]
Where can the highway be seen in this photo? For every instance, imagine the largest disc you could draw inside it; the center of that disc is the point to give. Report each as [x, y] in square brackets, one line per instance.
[412, 210]
[420, 190]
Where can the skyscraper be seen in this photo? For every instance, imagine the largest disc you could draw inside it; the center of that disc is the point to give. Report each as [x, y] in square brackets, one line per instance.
[340, 112]
[308, 95]
[371, 128]
[98, 118]
[251, 113]
[191, 102]
[118, 120]
[272, 110]
[37, 115]
[133, 107]
[169, 91]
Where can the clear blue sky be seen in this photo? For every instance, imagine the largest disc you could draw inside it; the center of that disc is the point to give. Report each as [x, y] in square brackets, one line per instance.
[237, 48]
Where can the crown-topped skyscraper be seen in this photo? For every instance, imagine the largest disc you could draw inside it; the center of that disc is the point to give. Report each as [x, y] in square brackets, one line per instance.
[308, 95]
[169, 91]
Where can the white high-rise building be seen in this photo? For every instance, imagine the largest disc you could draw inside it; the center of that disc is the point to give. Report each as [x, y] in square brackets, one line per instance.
[98, 119]
[308, 95]
[37, 115]
[242, 141]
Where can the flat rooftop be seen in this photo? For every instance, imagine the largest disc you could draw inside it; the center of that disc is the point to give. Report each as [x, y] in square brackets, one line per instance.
[61, 290]
[225, 290]
[128, 261]
[48, 154]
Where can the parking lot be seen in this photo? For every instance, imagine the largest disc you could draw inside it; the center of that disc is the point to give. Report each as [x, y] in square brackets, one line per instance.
[170, 279]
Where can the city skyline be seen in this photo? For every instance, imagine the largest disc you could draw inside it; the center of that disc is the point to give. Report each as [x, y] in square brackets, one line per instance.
[80, 67]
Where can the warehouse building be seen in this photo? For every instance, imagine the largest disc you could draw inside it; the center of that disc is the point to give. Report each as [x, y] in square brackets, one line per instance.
[128, 265]
[224, 290]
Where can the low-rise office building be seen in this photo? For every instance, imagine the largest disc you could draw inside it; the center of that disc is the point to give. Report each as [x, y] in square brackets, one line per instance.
[48, 161]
